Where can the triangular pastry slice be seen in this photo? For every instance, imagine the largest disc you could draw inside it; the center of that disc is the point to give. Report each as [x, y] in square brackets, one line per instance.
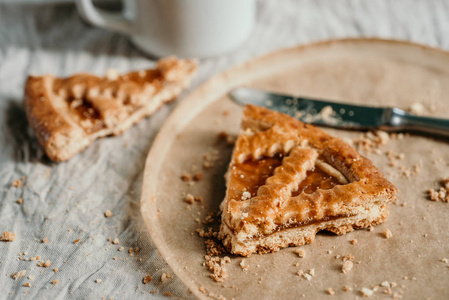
[68, 114]
[288, 180]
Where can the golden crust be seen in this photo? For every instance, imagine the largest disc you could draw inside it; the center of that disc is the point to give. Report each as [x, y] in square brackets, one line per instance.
[68, 114]
[258, 219]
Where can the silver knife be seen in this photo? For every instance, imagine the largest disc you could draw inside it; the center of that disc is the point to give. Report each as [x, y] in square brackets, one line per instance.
[342, 115]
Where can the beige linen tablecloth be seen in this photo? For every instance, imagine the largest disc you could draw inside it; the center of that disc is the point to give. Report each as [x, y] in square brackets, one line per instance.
[66, 202]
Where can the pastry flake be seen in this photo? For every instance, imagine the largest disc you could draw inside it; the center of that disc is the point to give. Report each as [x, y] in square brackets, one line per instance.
[288, 180]
[68, 114]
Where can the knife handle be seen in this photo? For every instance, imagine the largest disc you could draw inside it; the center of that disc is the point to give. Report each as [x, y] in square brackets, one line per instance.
[401, 120]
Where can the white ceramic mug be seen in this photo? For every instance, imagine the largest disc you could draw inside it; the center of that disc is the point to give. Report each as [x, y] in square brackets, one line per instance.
[185, 28]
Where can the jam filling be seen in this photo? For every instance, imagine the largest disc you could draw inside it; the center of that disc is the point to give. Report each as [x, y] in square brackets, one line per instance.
[316, 179]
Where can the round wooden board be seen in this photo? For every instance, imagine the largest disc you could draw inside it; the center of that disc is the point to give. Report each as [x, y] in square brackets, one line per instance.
[369, 71]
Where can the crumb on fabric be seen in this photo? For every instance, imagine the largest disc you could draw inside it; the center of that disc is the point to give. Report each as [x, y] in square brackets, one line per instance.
[98, 280]
[107, 213]
[20, 201]
[16, 183]
[116, 241]
[44, 240]
[56, 270]
[163, 277]
[55, 281]
[76, 241]
[8, 236]
[168, 294]
[27, 284]
[147, 279]
[19, 274]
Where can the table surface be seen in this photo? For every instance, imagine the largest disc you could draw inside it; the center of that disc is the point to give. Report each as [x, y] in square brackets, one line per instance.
[65, 202]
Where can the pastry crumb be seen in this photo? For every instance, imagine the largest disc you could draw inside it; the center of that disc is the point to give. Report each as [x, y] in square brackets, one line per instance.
[330, 291]
[163, 277]
[8, 236]
[19, 274]
[168, 294]
[354, 242]
[198, 176]
[147, 279]
[347, 267]
[107, 213]
[44, 240]
[387, 233]
[76, 241]
[20, 201]
[16, 183]
[301, 252]
[186, 177]
[56, 270]
[366, 292]
[27, 284]
[55, 281]
[243, 266]
[98, 280]
[347, 288]
[189, 198]
[116, 241]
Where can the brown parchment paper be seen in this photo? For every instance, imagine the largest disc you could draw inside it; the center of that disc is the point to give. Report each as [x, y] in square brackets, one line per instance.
[375, 72]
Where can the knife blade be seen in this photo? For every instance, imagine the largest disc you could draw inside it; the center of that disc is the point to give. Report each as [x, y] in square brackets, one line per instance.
[341, 115]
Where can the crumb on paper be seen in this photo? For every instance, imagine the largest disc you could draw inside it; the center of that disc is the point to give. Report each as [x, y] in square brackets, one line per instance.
[19, 274]
[243, 266]
[168, 294]
[189, 198]
[197, 176]
[202, 289]
[107, 213]
[441, 194]
[417, 109]
[8, 236]
[347, 266]
[330, 291]
[354, 242]
[186, 177]
[147, 279]
[387, 233]
[348, 257]
[300, 252]
[347, 288]
[366, 292]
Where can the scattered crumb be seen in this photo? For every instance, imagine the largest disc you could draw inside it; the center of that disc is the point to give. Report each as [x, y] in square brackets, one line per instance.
[330, 291]
[189, 198]
[16, 183]
[354, 242]
[416, 109]
[107, 213]
[367, 292]
[56, 270]
[98, 280]
[147, 279]
[55, 281]
[202, 289]
[20, 200]
[44, 240]
[243, 266]
[186, 177]
[300, 252]
[347, 266]
[348, 257]
[442, 194]
[163, 277]
[198, 176]
[8, 236]
[44, 264]
[168, 294]
[76, 241]
[387, 233]
[27, 284]
[116, 241]
[347, 288]
[18, 275]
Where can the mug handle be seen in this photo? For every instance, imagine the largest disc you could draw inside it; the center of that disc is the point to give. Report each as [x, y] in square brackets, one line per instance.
[103, 18]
